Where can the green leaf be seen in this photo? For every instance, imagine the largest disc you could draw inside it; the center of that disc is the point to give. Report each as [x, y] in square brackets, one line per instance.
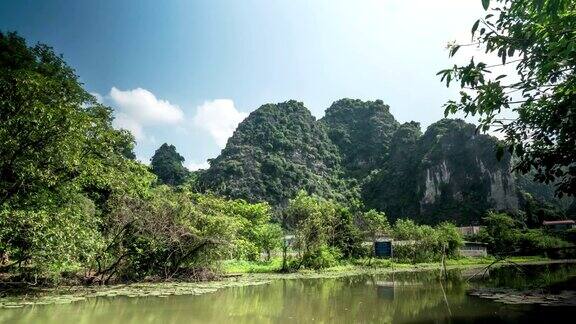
[552, 7]
[538, 4]
[454, 49]
[475, 26]
[485, 4]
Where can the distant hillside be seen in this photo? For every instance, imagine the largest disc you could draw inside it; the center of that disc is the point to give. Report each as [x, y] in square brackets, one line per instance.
[276, 151]
[448, 173]
[362, 131]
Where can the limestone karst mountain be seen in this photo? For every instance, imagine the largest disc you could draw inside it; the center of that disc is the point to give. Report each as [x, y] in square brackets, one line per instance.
[358, 149]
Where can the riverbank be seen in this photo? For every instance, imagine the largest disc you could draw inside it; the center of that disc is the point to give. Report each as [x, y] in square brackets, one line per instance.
[59, 295]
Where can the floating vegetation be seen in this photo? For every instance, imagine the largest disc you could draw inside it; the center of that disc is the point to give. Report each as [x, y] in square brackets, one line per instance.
[48, 296]
[526, 297]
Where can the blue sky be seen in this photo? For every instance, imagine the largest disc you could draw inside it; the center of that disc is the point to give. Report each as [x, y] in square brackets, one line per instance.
[186, 72]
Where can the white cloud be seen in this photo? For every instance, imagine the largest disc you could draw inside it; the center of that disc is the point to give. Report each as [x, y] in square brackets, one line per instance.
[138, 108]
[193, 166]
[143, 106]
[220, 118]
[124, 121]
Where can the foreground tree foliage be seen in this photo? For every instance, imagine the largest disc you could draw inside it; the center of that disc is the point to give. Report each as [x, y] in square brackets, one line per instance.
[538, 37]
[73, 200]
[61, 160]
[171, 233]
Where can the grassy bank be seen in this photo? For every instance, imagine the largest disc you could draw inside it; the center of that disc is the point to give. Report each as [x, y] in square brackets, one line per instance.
[236, 274]
[274, 265]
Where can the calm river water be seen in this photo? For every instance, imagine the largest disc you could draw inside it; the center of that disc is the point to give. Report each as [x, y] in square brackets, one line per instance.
[398, 298]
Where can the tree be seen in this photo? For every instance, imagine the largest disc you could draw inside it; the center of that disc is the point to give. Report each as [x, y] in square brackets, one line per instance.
[376, 223]
[42, 119]
[61, 161]
[314, 220]
[501, 232]
[450, 238]
[538, 37]
[268, 237]
[425, 243]
[167, 165]
[165, 233]
[347, 237]
[507, 236]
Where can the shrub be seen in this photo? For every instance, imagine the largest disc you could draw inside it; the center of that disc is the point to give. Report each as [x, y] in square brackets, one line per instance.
[423, 243]
[535, 240]
[322, 257]
[507, 236]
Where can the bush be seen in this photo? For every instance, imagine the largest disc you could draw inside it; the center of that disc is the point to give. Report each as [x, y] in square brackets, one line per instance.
[507, 236]
[501, 232]
[535, 240]
[449, 238]
[423, 243]
[322, 257]
[268, 238]
[325, 230]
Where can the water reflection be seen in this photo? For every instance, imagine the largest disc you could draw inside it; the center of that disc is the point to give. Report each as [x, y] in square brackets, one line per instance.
[399, 298]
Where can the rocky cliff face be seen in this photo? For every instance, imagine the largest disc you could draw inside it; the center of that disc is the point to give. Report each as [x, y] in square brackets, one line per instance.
[453, 174]
[461, 177]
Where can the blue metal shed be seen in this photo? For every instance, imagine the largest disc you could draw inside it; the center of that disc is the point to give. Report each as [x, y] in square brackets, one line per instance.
[383, 249]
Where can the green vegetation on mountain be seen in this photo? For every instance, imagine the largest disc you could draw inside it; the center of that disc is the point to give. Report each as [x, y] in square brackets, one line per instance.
[393, 187]
[362, 131]
[461, 176]
[449, 173]
[276, 151]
